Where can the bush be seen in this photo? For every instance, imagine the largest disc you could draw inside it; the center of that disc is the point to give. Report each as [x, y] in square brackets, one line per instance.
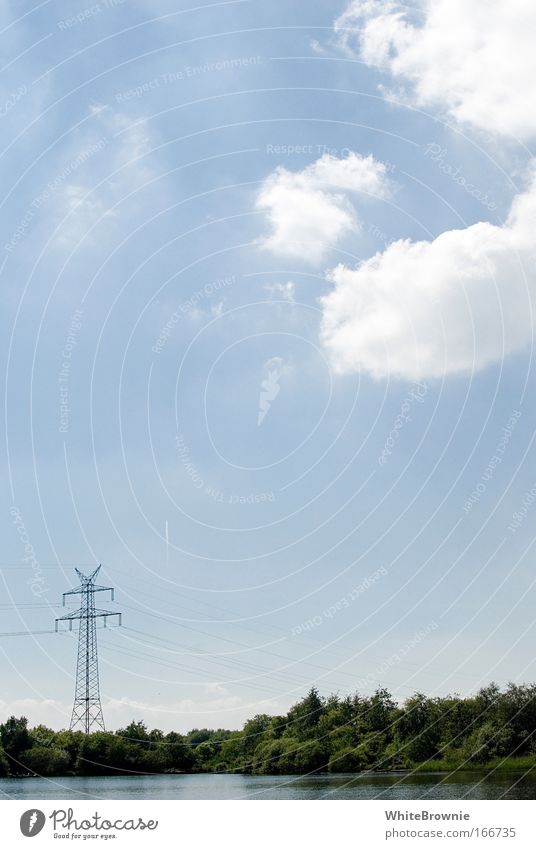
[274, 757]
[345, 760]
[310, 757]
[370, 752]
[489, 742]
[46, 760]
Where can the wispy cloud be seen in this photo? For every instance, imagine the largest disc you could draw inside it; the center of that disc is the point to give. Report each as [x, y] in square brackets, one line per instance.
[281, 291]
[118, 168]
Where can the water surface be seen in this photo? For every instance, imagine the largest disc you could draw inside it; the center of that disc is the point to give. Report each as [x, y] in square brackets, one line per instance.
[463, 785]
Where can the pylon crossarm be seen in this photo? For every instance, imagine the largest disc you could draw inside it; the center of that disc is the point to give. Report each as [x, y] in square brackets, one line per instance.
[98, 612]
[72, 592]
[82, 617]
[81, 614]
[84, 588]
[76, 614]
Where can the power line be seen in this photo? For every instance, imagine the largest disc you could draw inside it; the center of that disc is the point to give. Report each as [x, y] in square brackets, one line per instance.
[6, 606]
[63, 566]
[24, 633]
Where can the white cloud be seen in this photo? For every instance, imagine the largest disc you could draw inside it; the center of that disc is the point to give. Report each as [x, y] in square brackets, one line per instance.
[476, 59]
[216, 708]
[426, 309]
[308, 210]
[463, 300]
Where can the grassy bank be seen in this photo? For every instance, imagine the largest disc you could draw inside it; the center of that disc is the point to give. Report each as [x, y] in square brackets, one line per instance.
[524, 763]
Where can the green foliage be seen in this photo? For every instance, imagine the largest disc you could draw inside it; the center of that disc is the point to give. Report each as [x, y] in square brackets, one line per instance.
[46, 760]
[312, 756]
[305, 716]
[275, 757]
[181, 755]
[344, 760]
[15, 739]
[493, 728]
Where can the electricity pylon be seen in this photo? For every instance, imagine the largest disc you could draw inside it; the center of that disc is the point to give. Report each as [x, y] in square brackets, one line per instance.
[87, 710]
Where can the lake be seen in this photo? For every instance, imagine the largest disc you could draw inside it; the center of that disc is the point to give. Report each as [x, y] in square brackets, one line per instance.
[466, 785]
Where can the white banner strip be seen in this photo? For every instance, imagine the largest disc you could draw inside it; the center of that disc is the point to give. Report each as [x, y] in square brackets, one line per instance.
[265, 824]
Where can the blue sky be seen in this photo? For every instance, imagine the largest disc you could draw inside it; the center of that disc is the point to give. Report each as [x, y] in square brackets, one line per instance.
[266, 278]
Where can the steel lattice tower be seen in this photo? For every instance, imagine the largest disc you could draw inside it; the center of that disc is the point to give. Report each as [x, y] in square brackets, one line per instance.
[87, 710]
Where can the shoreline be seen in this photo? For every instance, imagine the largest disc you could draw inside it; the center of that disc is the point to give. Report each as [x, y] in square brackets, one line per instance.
[491, 768]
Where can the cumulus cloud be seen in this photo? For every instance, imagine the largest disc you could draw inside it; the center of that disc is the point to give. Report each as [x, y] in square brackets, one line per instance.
[309, 211]
[431, 308]
[475, 60]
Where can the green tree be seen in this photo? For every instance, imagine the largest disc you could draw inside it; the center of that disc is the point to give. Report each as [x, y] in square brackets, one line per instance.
[181, 755]
[345, 760]
[419, 729]
[305, 715]
[15, 739]
[46, 760]
[206, 755]
[135, 731]
[312, 756]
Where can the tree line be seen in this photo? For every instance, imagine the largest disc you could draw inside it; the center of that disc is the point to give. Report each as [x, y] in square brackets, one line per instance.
[336, 734]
